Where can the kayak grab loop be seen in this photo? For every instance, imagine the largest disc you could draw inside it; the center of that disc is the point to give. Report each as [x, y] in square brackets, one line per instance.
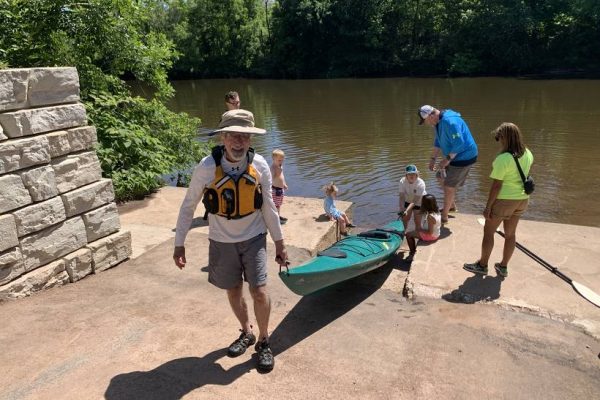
[286, 265]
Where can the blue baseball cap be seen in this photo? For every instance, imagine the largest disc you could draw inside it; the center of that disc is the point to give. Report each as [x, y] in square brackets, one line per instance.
[411, 169]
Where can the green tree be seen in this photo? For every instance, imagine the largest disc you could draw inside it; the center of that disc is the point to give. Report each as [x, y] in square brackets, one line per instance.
[107, 40]
[226, 38]
[301, 37]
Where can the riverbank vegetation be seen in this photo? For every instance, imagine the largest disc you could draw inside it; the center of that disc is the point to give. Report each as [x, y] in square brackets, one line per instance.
[139, 140]
[357, 38]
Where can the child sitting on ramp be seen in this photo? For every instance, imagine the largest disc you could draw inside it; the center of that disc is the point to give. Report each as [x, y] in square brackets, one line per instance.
[332, 212]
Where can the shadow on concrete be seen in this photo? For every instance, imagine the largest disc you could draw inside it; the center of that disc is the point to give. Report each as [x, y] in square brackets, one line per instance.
[444, 232]
[322, 218]
[196, 223]
[317, 310]
[176, 378]
[401, 261]
[476, 288]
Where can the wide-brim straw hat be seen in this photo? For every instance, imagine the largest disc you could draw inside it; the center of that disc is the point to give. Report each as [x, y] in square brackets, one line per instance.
[241, 121]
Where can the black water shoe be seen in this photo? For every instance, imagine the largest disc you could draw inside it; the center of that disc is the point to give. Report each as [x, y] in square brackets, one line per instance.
[476, 268]
[239, 346]
[501, 270]
[266, 360]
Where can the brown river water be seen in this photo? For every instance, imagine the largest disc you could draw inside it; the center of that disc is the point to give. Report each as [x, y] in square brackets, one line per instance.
[360, 133]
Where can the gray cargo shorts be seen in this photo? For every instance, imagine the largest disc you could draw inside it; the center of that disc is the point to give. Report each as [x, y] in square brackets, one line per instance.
[229, 264]
[456, 176]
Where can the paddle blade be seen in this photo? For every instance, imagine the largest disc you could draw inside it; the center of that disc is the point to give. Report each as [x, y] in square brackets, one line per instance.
[583, 290]
[587, 293]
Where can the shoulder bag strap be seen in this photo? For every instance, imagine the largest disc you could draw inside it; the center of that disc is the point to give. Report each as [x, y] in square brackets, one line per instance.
[520, 170]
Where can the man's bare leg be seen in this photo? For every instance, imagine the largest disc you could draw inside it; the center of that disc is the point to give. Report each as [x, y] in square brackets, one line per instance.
[239, 306]
[262, 310]
[449, 193]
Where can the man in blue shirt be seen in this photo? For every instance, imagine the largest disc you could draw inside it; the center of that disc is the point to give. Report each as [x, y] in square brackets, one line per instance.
[453, 141]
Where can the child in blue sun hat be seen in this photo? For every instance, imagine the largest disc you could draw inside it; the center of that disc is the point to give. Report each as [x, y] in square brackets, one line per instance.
[411, 191]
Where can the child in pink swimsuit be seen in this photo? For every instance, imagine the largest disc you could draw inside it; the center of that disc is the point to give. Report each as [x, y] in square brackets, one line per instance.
[431, 225]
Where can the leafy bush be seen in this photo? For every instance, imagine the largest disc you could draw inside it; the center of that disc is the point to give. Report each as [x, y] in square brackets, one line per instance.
[142, 141]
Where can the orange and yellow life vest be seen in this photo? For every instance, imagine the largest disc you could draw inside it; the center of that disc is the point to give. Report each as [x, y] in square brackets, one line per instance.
[230, 197]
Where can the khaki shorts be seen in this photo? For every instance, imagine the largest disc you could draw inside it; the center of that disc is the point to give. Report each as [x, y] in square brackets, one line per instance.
[506, 209]
[231, 263]
[456, 176]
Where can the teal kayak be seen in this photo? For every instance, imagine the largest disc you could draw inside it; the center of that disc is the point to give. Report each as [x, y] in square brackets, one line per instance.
[352, 256]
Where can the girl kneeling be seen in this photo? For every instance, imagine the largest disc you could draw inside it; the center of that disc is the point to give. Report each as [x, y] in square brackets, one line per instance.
[431, 225]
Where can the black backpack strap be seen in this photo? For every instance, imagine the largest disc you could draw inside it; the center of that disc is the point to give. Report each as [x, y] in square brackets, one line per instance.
[217, 154]
[250, 155]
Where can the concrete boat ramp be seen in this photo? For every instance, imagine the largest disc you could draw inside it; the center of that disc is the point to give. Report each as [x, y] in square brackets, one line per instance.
[420, 330]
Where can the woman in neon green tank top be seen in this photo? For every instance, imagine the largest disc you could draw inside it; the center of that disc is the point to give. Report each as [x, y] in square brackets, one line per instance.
[507, 199]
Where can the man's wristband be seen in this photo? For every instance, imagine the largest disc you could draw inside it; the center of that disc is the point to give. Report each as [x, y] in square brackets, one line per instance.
[448, 157]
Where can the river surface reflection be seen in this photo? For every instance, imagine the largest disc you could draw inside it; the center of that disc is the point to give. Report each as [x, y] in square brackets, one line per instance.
[361, 133]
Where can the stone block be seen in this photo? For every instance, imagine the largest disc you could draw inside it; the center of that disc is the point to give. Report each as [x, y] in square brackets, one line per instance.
[78, 264]
[11, 265]
[88, 197]
[13, 89]
[39, 216]
[48, 276]
[76, 170]
[41, 120]
[8, 230]
[13, 193]
[111, 250]
[101, 222]
[54, 242]
[22, 153]
[82, 138]
[40, 182]
[2, 135]
[53, 86]
[58, 143]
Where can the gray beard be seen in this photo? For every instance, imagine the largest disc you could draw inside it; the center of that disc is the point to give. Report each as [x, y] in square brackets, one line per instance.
[234, 157]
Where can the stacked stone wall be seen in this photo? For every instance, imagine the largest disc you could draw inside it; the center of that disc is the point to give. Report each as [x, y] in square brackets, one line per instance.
[58, 218]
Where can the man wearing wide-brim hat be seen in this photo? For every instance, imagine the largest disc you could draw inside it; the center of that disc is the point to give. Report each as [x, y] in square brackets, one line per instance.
[234, 185]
